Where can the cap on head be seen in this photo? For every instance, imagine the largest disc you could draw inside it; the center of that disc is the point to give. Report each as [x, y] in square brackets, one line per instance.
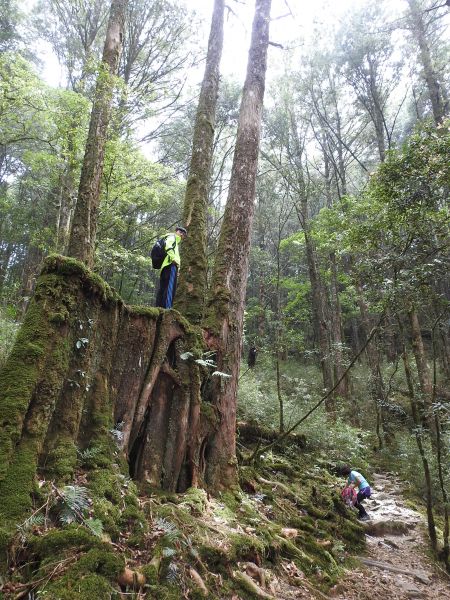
[182, 230]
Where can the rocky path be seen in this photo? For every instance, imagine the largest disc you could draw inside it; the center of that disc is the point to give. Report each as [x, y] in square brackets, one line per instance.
[396, 565]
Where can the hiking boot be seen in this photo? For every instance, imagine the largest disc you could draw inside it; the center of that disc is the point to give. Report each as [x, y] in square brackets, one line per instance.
[364, 518]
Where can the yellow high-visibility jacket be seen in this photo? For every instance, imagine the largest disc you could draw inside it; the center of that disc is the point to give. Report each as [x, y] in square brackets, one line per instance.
[172, 250]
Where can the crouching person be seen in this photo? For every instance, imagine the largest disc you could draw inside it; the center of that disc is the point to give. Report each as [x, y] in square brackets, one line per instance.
[358, 482]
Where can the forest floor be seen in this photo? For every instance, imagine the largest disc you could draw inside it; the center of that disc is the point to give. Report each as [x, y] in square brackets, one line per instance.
[396, 566]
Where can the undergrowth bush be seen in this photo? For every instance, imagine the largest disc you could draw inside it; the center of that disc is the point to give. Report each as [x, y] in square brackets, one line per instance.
[301, 385]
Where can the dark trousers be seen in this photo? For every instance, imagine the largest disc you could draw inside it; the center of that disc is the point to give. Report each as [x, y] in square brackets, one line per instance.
[167, 286]
[362, 495]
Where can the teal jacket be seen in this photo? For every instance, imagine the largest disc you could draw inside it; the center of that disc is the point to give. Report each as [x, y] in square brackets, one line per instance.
[172, 250]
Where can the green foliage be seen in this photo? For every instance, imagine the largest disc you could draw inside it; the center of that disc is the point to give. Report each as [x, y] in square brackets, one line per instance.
[138, 198]
[336, 441]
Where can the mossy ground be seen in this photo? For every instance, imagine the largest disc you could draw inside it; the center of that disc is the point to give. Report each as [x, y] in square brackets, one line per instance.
[163, 536]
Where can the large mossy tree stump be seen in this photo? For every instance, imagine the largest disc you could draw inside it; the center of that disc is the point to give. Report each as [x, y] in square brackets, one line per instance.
[85, 364]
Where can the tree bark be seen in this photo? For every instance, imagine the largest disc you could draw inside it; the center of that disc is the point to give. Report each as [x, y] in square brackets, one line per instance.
[85, 364]
[192, 281]
[319, 309]
[418, 432]
[377, 387]
[84, 227]
[418, 31]
[224, 320]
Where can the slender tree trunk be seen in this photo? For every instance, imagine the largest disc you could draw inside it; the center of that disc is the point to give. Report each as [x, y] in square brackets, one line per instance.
[423, 373]
[377, 118]
[84, 227]
[224, 321]
[418, 31]
[377, 387]
[4, 263]
[192, 283]
[440, 451]
[336, 333]
[66, 207]
[418, 431]
[278, 340]
[318, 309]
[319, 304]
[423, 369]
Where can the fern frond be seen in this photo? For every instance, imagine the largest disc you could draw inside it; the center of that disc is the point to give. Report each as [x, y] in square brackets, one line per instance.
[75, 497]
[167, 552]
[34, 521]
[173, 573]
[88, 454]
[95, 526]
[222, 375]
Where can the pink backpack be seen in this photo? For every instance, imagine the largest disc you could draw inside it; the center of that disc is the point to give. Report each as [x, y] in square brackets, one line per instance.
[349, 496]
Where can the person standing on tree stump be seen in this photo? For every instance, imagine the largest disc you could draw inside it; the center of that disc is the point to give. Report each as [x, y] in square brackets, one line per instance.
[169, 268]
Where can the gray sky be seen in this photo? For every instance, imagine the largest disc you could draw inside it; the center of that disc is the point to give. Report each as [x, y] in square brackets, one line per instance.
[291, 20]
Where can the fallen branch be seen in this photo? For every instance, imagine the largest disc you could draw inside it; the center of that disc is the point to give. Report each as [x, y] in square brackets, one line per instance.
[195, 576]
[420, 575]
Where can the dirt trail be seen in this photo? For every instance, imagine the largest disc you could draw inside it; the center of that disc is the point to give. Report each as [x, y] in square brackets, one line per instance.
[397, 565]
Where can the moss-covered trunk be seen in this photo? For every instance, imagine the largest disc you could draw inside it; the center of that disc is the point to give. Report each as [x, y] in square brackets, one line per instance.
[225, 315]
[192, 282]
[87, 370]
[84, 226]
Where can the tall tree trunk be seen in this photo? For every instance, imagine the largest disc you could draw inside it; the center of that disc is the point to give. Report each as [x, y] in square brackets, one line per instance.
[319, 309]
[84, 227]
[278, 339]
[377, 115]
[336, 333]
[423, 369]
[66, 205]
[318, 293]
[418, 31]
[224, 321]
[192, 283]
[423, 372]
[440, 452]
[418, 431]
[377, 387]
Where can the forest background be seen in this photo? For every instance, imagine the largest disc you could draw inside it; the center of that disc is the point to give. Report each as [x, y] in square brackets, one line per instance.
[349, 255]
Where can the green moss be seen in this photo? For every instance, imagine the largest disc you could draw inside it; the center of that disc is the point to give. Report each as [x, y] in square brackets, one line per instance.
[209, 413]
[146, 311]
[133, 519]
[63, 265]
[104, 562]
[61, 460]
[196, 500]
[245, 547]
[216, 558]
[109, 515]
[231, 499]
[160, 592]
[16, 488]
[105, 484]
[87, 586]
[150, 573]
[57, 540]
